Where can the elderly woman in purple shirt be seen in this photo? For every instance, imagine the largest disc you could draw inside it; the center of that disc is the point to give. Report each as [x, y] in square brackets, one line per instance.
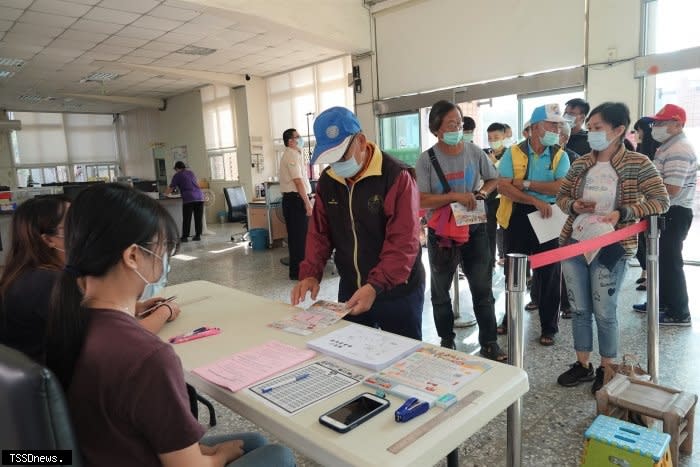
[185, 182]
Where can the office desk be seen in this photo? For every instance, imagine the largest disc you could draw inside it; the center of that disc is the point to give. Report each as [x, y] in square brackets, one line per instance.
[243, 319]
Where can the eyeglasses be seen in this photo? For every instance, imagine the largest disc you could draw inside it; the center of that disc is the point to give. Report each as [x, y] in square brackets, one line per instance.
[453, 126]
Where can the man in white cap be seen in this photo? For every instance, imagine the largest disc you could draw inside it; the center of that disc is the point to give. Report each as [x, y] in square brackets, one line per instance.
[530, 177]
[366, 209]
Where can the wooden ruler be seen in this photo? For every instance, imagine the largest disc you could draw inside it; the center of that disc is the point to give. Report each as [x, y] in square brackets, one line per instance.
[425, 428]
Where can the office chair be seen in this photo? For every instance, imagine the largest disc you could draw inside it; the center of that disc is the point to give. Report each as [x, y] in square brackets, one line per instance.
[237, 204]
[195, 398]
[33, 408]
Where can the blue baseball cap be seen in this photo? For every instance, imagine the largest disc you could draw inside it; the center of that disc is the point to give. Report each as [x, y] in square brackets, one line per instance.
[547, 113]
[334, 129]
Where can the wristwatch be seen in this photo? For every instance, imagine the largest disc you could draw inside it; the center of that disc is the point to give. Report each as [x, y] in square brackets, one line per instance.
[526, 184]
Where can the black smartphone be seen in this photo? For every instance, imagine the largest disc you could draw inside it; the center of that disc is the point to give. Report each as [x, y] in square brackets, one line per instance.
[354, 412]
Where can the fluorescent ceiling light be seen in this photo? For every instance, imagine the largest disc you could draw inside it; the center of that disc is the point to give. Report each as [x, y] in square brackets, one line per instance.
[16, 62]
[6, 74]
[194, 50]
[100, 76]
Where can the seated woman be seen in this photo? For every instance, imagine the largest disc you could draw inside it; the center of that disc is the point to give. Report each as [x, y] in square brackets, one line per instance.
[34, 262]
[125, 386]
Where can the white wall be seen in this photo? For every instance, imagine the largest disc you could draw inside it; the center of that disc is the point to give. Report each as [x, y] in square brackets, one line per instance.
[137, 130]
[259, 126]
[431, 44]
[614, 25]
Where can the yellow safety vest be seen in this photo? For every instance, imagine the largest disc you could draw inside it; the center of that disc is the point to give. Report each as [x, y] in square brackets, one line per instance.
[520, 159]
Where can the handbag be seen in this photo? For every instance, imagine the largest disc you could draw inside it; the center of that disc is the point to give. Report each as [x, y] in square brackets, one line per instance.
[443, 220]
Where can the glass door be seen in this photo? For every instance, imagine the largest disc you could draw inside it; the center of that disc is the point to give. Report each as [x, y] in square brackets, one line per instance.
[683, 89]
[399, 135]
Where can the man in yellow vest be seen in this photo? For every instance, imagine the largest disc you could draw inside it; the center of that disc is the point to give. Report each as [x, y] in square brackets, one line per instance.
[530, 175]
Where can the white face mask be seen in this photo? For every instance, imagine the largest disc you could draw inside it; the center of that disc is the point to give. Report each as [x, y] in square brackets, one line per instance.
[496, 145]
[153, 289]
[660, 133]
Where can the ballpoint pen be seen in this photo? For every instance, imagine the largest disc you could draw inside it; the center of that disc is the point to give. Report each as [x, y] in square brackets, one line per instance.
[284, 382]
[152, 308]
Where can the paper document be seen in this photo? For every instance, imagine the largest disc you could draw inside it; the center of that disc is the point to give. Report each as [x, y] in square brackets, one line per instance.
[365, 346]
[550, 228]
[466, 217]
[321, 314]
[429, 373]
[588, 226]
[250, 366]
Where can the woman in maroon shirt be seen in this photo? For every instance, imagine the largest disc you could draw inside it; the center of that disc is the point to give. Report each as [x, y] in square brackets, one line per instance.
[125, 387]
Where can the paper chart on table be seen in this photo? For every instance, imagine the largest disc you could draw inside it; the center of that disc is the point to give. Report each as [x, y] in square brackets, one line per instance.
[320, 315]
[325, 378]
[252, 365]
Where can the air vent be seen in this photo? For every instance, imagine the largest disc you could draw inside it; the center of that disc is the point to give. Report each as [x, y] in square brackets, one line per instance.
[15, 62]
[100, 77]
[35, 99]
[6, 74]
[194, 50]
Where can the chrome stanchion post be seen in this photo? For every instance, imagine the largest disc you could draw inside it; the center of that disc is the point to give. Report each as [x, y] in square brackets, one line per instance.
[515, 289]
[652, 239]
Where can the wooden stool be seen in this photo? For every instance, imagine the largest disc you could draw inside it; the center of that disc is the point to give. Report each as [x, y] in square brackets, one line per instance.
[675, 408]
[613, 442]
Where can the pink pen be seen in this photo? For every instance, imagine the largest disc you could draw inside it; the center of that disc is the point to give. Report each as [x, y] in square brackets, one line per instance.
[198, 333]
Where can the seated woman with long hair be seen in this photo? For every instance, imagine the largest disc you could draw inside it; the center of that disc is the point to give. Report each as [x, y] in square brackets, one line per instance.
[33, 264]
[125, 386]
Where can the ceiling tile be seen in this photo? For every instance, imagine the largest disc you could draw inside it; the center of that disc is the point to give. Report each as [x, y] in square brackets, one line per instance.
[272, 39]
[177, 38]
[59, 7]
[26, 39]
[112, 49]
[75, 45]
[70, 53]
[245, 48]
[111, 16]
[157, 23]
[140, 33]
[10, 14]
[163, 46]
[168, 63]
[214, 21]
[74, 35]
[235, 36]
[125, 41]
[91, 56]
[201, 30]
[86, 2]
[147, 53]
[23, 51]
[179, 14]
[45, 19]
[248, 27]
[19, 4]
[136, 60]
[96, 26]
[5, 25]
[37, 30]
[135, 6]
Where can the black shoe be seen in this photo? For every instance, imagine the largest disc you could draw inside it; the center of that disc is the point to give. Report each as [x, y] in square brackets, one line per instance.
[448, 343]
[598, 381]
[492, 351]
[196, 238]
[567, 314]
[183, 240]
[576, 375]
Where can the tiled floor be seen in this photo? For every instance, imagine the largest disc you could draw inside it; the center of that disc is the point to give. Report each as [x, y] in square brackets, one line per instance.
[554, 418]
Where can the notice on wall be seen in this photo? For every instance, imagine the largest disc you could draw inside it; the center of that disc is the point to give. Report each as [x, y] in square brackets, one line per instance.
[180, 154]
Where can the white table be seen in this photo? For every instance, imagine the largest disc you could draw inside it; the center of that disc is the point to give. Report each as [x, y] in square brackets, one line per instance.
[243, 319]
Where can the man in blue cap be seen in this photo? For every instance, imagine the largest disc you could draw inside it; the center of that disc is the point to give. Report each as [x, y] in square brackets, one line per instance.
[366, 209]
[530, 176]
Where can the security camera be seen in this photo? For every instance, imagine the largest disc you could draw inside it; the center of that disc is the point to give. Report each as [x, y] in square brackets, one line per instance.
[247, 77]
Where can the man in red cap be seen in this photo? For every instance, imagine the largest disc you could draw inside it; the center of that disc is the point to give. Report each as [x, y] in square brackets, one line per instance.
[677, 163]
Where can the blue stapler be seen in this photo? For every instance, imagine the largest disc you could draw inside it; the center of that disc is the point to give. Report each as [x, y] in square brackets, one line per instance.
[411, 409]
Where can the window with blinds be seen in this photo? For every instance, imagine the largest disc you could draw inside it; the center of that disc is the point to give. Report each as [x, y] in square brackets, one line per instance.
[219, 132]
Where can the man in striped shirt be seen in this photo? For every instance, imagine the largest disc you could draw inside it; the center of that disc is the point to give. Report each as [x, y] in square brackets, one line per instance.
[676, 161]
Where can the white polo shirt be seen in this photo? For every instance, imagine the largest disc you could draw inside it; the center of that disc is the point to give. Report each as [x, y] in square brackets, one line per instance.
[292, 166]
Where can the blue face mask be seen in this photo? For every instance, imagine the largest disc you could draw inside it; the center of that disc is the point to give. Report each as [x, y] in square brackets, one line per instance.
[346, 169]
[598, 140]
[452, 138]
[153, 289]
[468, 137]
[550, 138]
[300, 142]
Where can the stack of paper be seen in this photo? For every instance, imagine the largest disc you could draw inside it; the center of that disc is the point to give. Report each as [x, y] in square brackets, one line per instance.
[365, 346]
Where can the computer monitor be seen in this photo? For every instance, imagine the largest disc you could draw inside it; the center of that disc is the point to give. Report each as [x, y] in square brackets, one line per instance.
[72, 191]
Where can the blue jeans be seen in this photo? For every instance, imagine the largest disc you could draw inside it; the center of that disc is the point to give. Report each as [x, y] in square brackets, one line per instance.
[257, 452]
[593, 290]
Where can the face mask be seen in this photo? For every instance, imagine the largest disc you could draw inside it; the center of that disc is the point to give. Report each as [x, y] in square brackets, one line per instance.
[549, 139]
[508, 142]
[346, 169]
[452, 138]
[569, 118]
[468, 137]
[597, 140]
[300, 142]
[660, 133]
[496, 145]
[153, 289]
